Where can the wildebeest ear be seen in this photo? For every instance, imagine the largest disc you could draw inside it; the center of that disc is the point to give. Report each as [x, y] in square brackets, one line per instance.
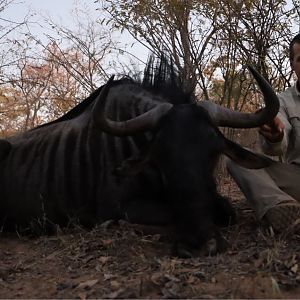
[132, 166]
[5, 147]
[244, 157]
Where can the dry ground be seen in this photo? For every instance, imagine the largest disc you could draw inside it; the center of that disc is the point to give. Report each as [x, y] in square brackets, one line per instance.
[118, 261]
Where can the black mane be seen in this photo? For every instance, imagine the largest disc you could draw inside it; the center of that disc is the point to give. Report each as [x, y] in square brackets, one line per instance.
[160, 77]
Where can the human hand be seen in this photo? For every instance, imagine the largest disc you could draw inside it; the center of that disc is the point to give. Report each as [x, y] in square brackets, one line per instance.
[273, 131]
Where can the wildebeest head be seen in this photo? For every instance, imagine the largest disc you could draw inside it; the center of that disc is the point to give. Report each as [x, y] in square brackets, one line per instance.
[208, 112]
[185, 147]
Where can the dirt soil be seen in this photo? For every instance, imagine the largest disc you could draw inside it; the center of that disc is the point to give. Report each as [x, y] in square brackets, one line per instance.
[120, 261]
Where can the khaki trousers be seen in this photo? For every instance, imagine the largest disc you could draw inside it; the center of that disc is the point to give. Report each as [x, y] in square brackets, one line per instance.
[265, 188]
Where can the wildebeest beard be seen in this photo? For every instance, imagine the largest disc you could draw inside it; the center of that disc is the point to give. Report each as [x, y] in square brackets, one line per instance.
[144, 151]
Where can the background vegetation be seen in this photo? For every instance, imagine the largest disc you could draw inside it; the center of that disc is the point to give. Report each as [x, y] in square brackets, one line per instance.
[209, 41]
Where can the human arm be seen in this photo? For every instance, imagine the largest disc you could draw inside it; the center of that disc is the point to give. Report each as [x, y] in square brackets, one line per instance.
[274, 135]
[273, 131]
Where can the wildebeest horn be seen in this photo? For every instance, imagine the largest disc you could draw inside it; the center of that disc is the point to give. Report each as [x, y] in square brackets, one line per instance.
[144, 122]
[222, 116]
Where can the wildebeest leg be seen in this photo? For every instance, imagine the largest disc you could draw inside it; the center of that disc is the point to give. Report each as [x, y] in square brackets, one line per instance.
[223, 212]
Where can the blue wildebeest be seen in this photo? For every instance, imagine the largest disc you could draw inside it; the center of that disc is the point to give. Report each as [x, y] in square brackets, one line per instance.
[165, 142]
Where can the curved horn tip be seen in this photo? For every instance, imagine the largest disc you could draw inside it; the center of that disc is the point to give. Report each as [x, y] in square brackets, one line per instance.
[250, 68]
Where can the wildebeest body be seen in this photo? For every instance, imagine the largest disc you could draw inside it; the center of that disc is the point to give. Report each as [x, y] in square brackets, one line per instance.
[65, 169]
[71, 169]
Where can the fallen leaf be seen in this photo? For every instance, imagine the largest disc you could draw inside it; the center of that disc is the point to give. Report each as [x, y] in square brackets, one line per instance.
[108, 276]
[104, 259]
[191, 279]
[87, 259]
[107, 224]
[88, 284]
[66, 285]
[290, 263]
[82, 295]
[107, 242]
[258, 262]
[172, 278]
[115, 294]
[156, 278]
[294, 269]
[115, 284]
